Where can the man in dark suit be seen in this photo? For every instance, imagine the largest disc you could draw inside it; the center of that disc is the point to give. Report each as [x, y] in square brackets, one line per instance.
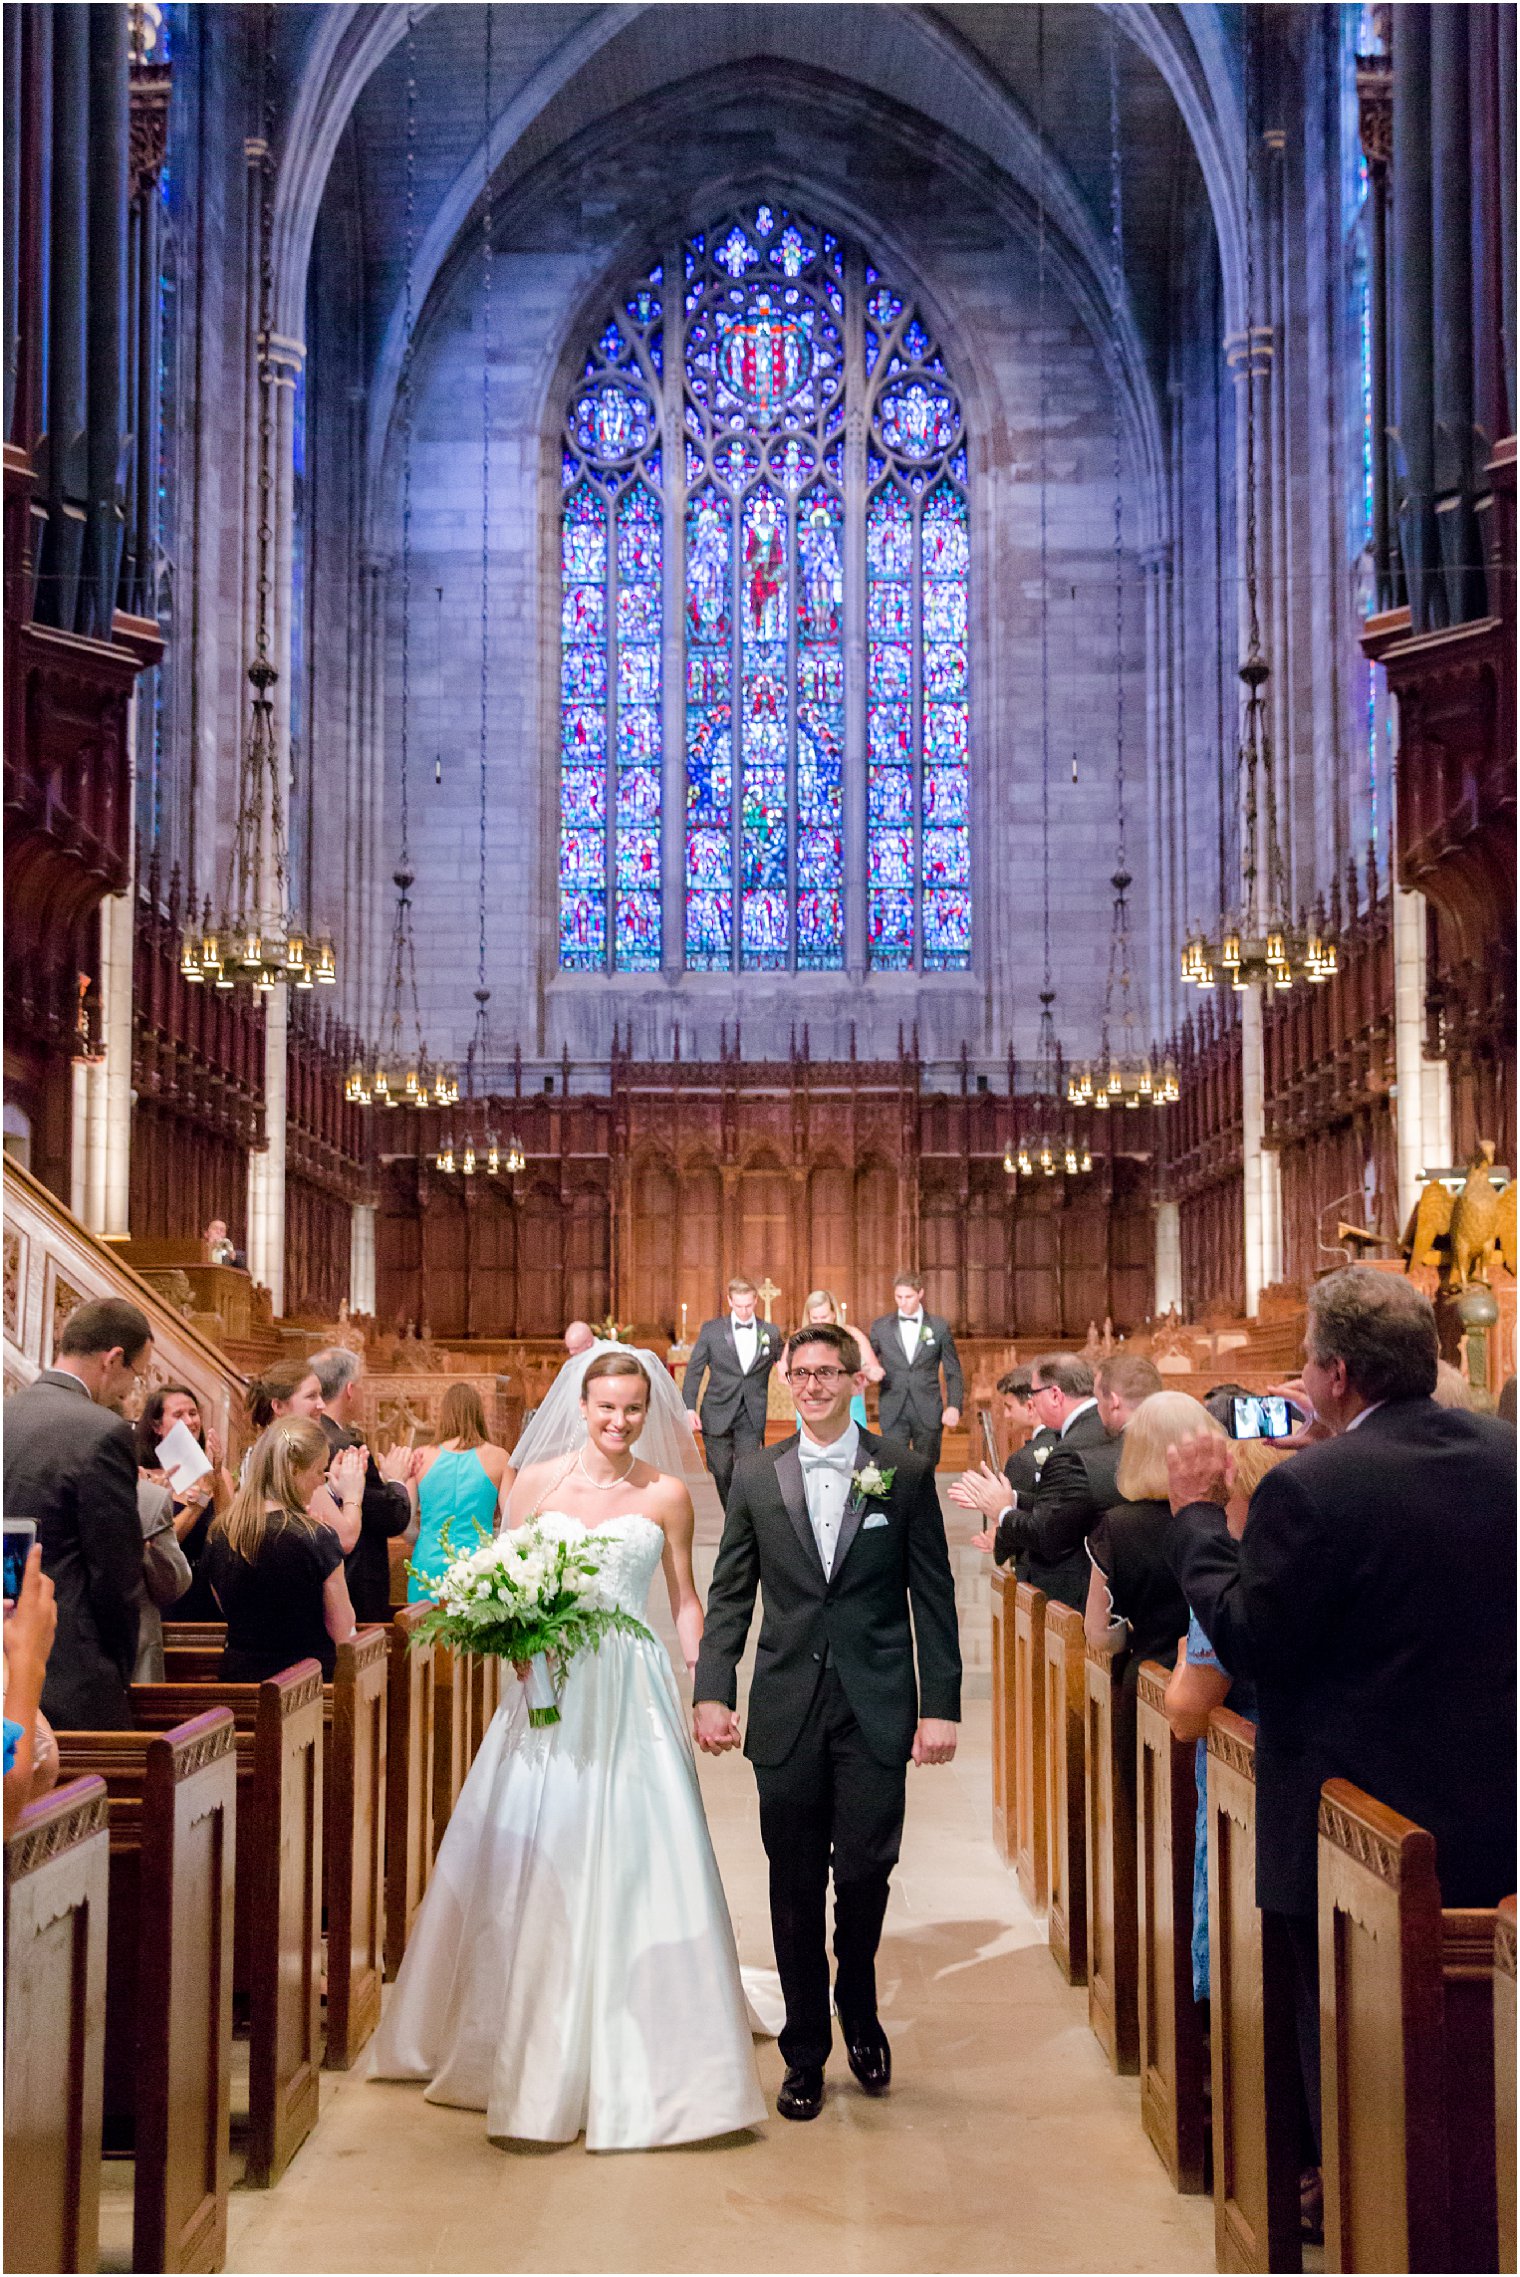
[70, 1464]
[913, 1346]
[736, 1355]
[386, 1505]
[842, 1533]
[1047, 1529]
[1371, 1599]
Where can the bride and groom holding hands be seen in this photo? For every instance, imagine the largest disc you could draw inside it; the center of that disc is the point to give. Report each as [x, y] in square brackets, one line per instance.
[573, 1968]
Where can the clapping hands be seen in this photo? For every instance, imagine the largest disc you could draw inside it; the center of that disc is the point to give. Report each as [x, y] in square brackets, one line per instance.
[400, 1466]
[983, 1489]
[345, 1477]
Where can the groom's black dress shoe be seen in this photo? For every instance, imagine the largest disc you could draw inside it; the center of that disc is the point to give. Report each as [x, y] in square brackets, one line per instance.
[801, 2095]
[870, 2056]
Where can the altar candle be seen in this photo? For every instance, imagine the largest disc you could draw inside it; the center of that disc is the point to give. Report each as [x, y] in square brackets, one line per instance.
[683, 1324]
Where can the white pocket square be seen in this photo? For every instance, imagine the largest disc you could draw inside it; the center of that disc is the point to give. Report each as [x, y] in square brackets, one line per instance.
[877, 1518]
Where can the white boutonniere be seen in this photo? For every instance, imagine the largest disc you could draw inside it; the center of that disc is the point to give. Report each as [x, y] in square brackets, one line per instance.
[1039, 1456]
[873, 1479]
[925, 1339]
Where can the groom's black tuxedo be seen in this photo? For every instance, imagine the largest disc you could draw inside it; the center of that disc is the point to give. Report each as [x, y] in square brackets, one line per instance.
[857, 1620]
[909, 1401]
[734, 1402]
[833, 1705]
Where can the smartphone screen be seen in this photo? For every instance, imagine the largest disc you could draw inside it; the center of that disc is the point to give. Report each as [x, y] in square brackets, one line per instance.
[20, 1533]
[1261, 1415]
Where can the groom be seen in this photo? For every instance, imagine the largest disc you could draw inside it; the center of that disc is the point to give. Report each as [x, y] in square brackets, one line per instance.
[842, 1531]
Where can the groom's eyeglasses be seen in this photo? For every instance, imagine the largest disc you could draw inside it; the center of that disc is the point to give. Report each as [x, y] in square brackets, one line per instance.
[820, 1376]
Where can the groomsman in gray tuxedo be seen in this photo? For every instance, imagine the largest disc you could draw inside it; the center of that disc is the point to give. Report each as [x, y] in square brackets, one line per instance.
[735, 1354]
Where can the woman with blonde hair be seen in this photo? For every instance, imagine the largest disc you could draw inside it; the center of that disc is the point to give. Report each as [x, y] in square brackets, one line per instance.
[459, 1489]
[277, 1573]
[819, 1306]
[1132, 1584]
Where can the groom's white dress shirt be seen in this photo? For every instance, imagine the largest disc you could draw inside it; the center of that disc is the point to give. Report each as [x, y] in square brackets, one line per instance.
[826, 1475]
[746, 1339]
[910, 1328]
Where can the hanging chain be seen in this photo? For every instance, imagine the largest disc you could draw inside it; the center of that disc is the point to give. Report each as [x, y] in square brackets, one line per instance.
[1250, 746]
[265, 343]
[1043, 271]
[487, 280]
[408, 330]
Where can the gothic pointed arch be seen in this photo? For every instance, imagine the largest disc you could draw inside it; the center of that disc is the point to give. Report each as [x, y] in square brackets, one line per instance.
[764, 594]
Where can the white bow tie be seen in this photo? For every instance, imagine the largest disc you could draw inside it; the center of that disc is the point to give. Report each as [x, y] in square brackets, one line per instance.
[823, 1458]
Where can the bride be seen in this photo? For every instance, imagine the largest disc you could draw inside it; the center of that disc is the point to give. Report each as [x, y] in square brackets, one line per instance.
[572, 1968]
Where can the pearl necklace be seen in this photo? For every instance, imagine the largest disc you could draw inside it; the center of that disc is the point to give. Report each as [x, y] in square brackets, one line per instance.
[604, 1485]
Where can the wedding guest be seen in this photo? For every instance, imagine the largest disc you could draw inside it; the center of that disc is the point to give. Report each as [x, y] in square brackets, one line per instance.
[579, 1338]
[220, 1248]
[1362, 1670]
[915, 1348]
[278, 1575]
[386, 1503]
[819, 1306]
[1132, 1586]
[734, 1356]
[70, 1463]
[194, 1507]
[166, 1577]
[461, 1485]
[1454, 1390]
[31, 1753]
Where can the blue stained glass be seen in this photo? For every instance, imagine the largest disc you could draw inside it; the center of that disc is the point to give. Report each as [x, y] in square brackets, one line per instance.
[764, 946]
[947, 931]
[582, 931]
[890, 669]
[709, 929]
[945, 731]
[638, 859]
[889, 930]
[945, 795]
[947, 859]
[889, 735]
[637, 916]
[764, 545]
[583, 733]
[638, 799]
[583, 797]
[945, 670]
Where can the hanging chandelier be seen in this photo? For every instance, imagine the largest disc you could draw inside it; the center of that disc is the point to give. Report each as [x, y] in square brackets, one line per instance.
[1125, 1074]
[401, 1073]
[1258, 943]
[1045, 1148]
[255, 942]
[487, 1154]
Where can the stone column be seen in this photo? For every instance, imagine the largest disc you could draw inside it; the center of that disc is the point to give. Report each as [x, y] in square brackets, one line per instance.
[1262, 1180]
[361, 1259]
[1422, 1118]
[266, 1168]
[1168, 1290]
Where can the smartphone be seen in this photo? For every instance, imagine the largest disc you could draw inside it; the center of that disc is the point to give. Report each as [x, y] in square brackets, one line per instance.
[20, 1533]
[1261, 1415]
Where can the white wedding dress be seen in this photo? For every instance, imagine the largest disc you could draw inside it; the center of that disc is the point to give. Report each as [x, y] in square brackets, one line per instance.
[572, 1969]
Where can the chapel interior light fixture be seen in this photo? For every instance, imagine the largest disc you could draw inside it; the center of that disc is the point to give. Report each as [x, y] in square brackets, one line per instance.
[1256, 943]
[255, 942]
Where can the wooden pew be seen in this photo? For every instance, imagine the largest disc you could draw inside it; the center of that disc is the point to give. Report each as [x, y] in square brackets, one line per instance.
[1029, 1744]
[353, 1842]
[1406, 2002]
[1504, 2077]
[193, 1651]
[172, 1800]
[1253, 2048]
[1112, 2009]
[1065, 1790]
[57, 1874]
[277, 1918]
[1004, 1712]
[1173, 2107]
[408, 1781]
[453, 1735]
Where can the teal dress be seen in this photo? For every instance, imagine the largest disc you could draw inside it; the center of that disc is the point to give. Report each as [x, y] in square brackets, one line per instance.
[455, 1493]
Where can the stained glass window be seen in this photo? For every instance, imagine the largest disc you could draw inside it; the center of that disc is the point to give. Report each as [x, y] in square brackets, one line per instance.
[813, 411]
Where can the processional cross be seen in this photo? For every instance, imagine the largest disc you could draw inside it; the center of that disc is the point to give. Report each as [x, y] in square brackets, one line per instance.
[768, 1293]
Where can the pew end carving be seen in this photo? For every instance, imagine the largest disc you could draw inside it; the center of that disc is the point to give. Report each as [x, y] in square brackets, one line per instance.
[1065, 1654]
[1172, 2102]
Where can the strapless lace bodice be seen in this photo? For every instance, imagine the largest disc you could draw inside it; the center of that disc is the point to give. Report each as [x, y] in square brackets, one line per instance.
[631, 1548]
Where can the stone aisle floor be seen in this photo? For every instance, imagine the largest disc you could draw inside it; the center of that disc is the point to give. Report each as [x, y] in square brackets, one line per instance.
[1006, 2144]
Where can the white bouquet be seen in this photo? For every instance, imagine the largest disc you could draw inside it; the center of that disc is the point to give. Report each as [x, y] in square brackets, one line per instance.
[522, 1597]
